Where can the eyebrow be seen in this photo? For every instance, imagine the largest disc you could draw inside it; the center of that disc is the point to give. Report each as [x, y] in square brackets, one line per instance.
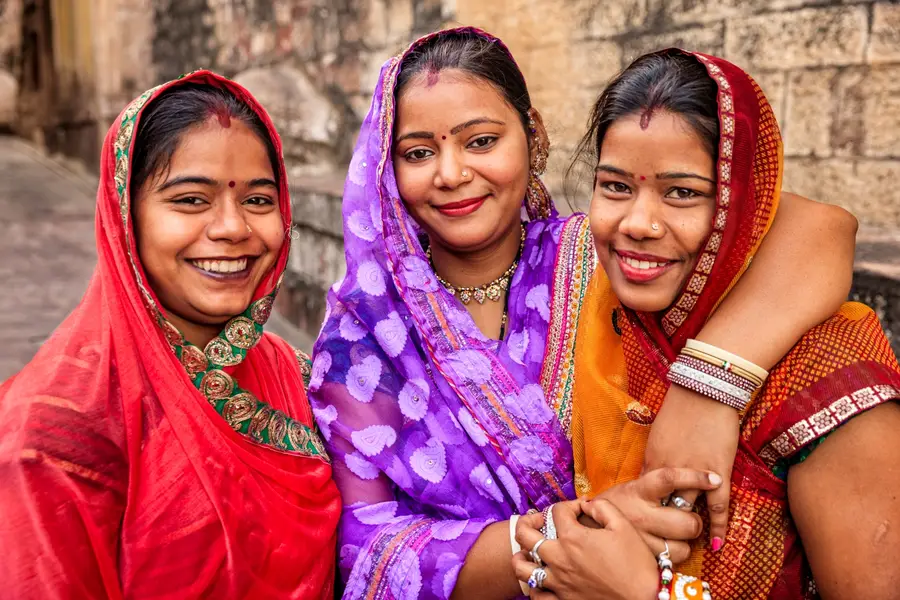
[200, 180]
[197, 179]
[671, 175]
[478, 121]
[684, 175]
[427, 135]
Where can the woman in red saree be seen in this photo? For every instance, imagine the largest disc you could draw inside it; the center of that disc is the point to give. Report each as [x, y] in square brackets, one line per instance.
[688, 160]
[160, 444]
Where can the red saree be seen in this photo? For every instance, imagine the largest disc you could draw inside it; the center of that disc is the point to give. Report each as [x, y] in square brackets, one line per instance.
[838, 370]
[135, 465]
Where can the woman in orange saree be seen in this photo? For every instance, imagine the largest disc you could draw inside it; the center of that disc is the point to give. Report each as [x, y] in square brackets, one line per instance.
[688, 180]
[160, 444]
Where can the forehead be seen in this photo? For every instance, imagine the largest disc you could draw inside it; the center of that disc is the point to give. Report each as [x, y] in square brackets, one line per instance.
[666, 143]
[433, 102]
[210, 147]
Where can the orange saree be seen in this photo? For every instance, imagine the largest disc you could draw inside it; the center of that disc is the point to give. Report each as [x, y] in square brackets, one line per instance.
[838, 370]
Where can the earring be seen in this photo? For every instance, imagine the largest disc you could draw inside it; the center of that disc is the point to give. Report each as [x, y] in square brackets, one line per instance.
[539, 164]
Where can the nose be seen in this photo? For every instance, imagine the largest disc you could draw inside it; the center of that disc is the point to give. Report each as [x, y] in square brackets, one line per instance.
[644, 218]
[229, 222]
[450, 171]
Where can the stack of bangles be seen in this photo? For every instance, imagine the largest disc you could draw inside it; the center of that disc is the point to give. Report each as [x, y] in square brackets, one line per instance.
[677, 586]
[717, 374]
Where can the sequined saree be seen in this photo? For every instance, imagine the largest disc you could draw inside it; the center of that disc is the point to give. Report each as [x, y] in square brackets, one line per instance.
[134, 464]
[838, 370]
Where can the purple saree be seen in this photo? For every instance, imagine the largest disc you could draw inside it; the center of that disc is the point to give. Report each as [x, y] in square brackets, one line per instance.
[436, 431]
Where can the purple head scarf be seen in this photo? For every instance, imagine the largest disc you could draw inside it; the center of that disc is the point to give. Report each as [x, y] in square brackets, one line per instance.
[435, 430]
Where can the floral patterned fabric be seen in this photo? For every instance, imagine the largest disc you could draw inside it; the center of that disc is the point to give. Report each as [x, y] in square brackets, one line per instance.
[434, 430]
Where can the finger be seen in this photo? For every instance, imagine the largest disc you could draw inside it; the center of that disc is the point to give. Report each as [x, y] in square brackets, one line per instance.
[678, 551]
[662, 482]
[606, 514]
[527, 538]
[717, 504]
[533, 521]
[523, 568]
[565, 516]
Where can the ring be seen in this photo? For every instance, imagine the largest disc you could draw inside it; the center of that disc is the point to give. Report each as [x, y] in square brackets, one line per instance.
[538, 576]
[535, 557]
[665, 501]
[549, 528]
[664, 559]
[681, 503]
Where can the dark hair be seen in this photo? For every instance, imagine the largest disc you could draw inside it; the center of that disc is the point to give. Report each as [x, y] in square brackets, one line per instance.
[475, 55]
[668, 81]
[178, 109]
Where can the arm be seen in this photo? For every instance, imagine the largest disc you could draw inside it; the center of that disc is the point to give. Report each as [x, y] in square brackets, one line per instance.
[762, 318]
[845, 500]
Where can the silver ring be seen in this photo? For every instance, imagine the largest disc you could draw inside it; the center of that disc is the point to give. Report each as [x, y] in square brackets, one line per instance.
[665, 501]
[538, 576]
[535, 557]
[681, 503]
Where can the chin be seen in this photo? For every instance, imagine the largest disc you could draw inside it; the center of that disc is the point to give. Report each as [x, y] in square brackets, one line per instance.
[644, 298]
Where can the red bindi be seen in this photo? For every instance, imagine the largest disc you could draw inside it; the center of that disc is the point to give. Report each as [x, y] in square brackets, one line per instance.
[443, 137]
[643, 178]
[231, 183]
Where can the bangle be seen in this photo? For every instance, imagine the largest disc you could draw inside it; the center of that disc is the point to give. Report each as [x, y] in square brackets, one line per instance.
[728, 360]
[709, 385]
[516, 548]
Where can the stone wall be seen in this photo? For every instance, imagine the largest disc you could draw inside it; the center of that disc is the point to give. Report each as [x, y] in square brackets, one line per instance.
[831, 70]
[10, 48]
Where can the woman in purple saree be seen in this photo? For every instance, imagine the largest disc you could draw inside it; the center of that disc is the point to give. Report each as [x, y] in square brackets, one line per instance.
[438, 430]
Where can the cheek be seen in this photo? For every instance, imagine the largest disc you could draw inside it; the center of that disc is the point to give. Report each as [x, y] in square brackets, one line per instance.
[163, 235]
[270, 229]
[692, 229]
[413, 183]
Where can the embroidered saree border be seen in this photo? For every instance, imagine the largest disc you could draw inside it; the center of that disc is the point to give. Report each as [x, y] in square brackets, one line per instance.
[825, 421]
[575, 264]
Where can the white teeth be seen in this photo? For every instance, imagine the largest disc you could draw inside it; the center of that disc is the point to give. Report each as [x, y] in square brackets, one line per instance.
[641, 264]
[221, 266]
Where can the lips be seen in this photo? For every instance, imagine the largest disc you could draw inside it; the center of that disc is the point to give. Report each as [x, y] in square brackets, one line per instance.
[463, 207]
[642, 268]
[224, 268]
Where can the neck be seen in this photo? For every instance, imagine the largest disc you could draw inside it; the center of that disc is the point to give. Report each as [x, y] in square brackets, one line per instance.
[478, 267]
[198, 334]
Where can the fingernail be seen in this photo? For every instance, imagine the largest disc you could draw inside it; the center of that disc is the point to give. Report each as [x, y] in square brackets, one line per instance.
[717, 544]
[715, 479]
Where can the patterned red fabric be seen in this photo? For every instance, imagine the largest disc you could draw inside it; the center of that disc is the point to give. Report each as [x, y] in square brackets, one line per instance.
[121, 480]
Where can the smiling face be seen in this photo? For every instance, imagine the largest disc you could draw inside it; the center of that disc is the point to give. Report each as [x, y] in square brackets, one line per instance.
[652, 208]
[209, 228]
[461, 158]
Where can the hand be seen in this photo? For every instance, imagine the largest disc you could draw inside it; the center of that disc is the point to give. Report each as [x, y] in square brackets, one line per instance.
[693, 431]
[640, 502]
[610, 563]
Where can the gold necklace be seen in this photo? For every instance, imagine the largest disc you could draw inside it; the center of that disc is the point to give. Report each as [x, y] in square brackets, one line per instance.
[493, 290]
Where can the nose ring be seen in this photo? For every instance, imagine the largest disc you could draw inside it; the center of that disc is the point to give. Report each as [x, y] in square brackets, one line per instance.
[465, 174]
[654, 226]
[249, 230]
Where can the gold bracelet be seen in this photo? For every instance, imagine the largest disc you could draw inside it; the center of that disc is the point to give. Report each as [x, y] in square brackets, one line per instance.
[728, 357]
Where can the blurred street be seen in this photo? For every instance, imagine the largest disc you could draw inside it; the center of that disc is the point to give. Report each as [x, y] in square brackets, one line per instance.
[47, 245]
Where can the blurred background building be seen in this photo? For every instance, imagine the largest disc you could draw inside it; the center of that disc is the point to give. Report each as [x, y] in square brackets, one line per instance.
[830, 68]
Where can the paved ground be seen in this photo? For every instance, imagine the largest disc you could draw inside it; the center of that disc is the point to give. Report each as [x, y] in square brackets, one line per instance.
[46, 248]
[47, 251]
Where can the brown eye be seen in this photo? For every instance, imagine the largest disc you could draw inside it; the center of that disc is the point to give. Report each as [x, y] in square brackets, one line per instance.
[682, 193]
[616, 187]
[417, 155]
[482, 142]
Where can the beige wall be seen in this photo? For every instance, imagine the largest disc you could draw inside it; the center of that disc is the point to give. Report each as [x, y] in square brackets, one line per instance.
[831, 72]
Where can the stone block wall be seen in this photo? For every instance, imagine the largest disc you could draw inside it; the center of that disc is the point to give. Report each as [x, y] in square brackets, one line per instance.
[831, 70]
[10, 47]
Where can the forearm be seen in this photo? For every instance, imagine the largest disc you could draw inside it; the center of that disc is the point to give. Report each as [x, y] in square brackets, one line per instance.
[799, 278]
[488, 571]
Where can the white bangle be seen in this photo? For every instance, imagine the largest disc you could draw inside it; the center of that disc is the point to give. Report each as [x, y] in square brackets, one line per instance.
[516, 548]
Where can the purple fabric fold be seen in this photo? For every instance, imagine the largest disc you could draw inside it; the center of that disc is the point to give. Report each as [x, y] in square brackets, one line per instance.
[435, 431]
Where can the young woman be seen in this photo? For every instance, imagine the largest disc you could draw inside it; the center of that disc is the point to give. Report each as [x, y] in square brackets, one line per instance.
[160, 444]
[688, 170]
[442, 378]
